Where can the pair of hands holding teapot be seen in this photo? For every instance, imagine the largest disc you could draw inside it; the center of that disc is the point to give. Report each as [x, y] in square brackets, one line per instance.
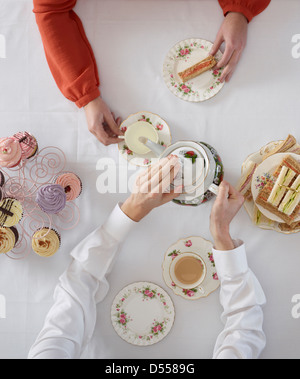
[152, 190]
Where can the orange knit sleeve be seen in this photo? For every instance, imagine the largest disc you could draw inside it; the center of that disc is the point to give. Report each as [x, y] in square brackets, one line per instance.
[249, 8]
[68, 51]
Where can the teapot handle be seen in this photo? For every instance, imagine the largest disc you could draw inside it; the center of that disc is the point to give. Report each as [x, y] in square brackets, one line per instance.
[214, 189]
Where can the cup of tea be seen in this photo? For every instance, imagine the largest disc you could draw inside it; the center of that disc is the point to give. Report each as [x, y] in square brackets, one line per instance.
[188, 270]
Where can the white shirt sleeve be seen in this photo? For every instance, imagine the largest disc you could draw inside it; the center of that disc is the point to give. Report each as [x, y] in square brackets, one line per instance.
[242, 299]
[70, 323]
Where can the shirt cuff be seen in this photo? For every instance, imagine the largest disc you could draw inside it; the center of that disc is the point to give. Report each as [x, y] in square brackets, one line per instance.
[231, 263]
[83, 101]
[239, 9]
[118, 225]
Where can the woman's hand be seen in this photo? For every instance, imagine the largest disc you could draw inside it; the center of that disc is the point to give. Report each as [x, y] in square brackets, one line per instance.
[229, 201]
[102, 123]
[233, 32]
[152, 188]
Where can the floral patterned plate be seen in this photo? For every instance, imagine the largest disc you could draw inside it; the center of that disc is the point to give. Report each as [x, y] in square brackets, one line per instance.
[142, 314]
[201, 247]
[163, 131]
[183, 55]
[266, 170]
[260, 181]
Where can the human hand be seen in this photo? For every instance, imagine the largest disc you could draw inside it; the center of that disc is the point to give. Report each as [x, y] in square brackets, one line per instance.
[229, 201]
[233, 32]
[102, 123]
[152, 188]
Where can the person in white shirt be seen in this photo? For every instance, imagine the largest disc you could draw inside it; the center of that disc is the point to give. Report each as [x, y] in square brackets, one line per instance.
[71, 321]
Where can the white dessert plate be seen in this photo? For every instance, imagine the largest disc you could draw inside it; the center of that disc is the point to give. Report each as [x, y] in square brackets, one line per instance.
[142, 314]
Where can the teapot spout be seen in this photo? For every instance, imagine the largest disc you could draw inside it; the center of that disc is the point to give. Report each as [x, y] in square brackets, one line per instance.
[154, 147]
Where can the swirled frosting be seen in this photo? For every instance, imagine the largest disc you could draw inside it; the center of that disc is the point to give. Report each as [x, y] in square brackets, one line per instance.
[10, 152]
[11, 212]
[51, 198]
[27, 143]
[45, 242]
[71, 184]
[7, 240]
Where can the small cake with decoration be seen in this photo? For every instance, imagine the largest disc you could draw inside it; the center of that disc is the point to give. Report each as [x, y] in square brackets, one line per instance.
[10, 152]
[71, 184]
[46, 242]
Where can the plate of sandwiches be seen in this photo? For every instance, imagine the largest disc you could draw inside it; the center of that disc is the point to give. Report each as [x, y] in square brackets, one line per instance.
[270, 184]
[189, 70]
[279, 199]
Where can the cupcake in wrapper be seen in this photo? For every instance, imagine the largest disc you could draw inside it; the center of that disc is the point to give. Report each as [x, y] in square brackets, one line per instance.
[8, 239]
[71, 184]
[46, 242]
[51, 198]
[10, 152]
[11, 212]
[28, 144]
[2, 179]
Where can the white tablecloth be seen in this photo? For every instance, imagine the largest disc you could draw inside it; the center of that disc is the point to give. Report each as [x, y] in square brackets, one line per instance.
[260, 104]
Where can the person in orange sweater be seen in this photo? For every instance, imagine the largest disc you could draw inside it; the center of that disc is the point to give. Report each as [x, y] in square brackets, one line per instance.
[74, 68]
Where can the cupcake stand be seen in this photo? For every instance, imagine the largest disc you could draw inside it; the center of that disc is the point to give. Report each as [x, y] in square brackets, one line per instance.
[23, 183]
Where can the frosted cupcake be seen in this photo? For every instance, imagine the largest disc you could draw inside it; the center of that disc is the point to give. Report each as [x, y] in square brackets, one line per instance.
[28, 144]
[10, 152]
[51, 198]
[71, 184]
[8, 239]
[11, 212]
[45, 242]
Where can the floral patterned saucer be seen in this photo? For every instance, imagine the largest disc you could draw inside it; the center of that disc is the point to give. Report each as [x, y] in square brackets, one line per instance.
[142, 314]
[183, 55]
[259, 180]
[163, 131]
[201, 247]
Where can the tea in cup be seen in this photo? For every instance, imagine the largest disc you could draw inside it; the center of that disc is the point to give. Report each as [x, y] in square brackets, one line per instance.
[188, 270]
[137, 130]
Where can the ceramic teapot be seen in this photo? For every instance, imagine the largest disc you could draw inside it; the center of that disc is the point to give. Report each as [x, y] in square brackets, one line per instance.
[202, 184]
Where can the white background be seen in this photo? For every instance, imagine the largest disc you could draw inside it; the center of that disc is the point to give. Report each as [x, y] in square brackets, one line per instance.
[260, 104]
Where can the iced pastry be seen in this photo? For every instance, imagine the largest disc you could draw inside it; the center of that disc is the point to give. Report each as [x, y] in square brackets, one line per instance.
[11, 212]
[71, 184]
[8, 239]
[51, 198]
[28, 144]
[10, 152]
[45, 242]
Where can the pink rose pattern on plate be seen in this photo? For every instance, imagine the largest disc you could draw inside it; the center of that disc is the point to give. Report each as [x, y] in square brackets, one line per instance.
[183, 53]
[149, 294]
[191, 292]
[158, 125]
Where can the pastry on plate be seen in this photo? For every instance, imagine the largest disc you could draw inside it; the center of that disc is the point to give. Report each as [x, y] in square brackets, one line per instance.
[197, 69]
[286, 145]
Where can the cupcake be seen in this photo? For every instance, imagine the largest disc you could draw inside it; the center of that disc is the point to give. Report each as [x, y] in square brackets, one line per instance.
[71, 184]
[8, 239]
[28, 144]
[51, 198]
[11, 212]
[45, 242]
[2, 179]
[10, 152]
